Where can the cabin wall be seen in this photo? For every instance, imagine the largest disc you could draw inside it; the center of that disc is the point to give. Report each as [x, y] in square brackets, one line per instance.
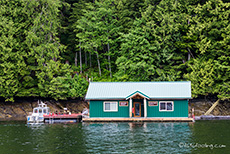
[97, 110]
[180, 109]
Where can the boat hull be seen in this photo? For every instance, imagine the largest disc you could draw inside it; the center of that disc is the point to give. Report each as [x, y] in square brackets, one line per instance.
[35, 119]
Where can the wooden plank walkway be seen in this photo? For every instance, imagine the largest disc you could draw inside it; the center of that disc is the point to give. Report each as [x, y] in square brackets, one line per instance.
[137, 120]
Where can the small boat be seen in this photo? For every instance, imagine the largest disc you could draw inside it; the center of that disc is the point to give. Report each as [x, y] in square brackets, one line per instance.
[38, 113]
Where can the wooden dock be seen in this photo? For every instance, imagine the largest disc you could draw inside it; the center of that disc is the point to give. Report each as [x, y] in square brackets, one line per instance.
[138, 120]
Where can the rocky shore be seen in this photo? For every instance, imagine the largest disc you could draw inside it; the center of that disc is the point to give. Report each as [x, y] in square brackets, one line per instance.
[19, 110]
[201, 106]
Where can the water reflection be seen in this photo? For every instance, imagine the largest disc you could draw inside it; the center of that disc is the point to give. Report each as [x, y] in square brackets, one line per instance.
[42, 139]
[136, 137]
[114, 137]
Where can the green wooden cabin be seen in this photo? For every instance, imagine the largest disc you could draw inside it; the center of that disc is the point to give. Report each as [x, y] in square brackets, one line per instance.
[138, 99]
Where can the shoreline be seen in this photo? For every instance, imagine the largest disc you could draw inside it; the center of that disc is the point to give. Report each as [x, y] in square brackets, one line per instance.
[21, 108]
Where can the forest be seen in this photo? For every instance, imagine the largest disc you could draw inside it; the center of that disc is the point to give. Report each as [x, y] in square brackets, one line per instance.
[52, 48]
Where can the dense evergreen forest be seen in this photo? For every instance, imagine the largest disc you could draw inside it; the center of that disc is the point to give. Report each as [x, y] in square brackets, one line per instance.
[50, 48]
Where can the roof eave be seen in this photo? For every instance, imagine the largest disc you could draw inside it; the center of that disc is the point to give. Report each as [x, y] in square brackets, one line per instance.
[139, 93]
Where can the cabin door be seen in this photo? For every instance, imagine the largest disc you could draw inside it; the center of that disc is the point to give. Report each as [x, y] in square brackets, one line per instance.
[137, 109]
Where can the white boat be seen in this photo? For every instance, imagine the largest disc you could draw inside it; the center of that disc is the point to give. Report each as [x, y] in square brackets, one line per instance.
[38, 112]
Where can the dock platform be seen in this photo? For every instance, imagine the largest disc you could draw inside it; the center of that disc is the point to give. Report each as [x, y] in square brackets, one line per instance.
[211, 117]
[138, 119]
[63, 118]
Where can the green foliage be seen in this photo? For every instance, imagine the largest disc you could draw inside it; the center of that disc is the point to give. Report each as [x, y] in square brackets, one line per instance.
[13, 68]
[149, 50]
[136, 62]
[210, 27]
[127, 11]
[30, 52]
[202, 76]
[63, 87]
[48, 48]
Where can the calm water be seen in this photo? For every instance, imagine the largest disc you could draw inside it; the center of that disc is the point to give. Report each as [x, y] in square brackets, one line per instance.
[198, 137]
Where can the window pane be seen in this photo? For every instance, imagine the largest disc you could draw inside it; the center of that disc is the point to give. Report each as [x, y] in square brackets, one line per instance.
[137, 109]
[113, 106]
[107, 106]
[162, 106]
[40, 110]
[169, 106]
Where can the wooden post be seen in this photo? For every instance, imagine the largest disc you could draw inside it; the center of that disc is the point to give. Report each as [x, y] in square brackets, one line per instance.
[145, 108]
[130, 107]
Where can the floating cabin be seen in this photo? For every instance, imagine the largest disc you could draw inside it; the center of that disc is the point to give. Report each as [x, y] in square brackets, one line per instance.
[138, 101]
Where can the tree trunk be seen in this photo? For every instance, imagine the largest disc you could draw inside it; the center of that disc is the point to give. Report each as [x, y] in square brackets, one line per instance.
[80, 58]
[189, 56]
[90, 60]
[110, 71]
[75, 59]
[98, 62]
[85, 58]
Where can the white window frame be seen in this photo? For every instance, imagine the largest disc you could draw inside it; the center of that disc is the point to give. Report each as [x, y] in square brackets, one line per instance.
[166, 106]
[110, 110]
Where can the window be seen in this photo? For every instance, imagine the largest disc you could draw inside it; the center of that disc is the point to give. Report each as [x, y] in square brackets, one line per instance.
[110, 106]
[166, 106]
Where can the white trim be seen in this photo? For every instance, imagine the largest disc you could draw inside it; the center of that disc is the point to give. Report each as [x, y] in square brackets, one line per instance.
[110, 110]
[130, 107]
[137, 93]
[145, 108]
[166, 106]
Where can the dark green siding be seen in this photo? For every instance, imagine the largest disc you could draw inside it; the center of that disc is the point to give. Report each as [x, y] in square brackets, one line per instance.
[180, 110]
[96, 110]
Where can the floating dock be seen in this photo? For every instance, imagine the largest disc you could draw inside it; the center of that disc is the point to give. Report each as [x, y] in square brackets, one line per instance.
[138, 119]
[206, 117]
[63, 118]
